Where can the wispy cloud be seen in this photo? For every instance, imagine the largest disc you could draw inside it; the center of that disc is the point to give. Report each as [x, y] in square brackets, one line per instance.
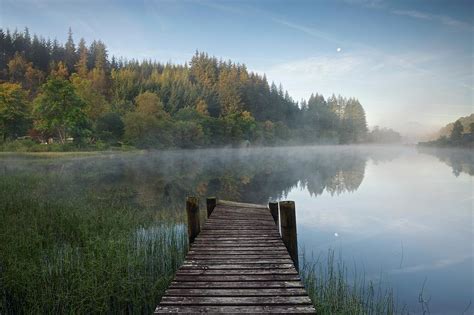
[322, 67]
[443, 19]
[308, 30]
[412, 63]
[416, 14]
[367, 3]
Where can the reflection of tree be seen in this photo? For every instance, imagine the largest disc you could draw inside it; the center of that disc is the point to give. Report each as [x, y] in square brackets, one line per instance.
[163, 179]
[460, 160]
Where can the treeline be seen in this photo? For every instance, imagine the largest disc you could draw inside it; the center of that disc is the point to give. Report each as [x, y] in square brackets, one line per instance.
[459, 136]
[77, 94]
[383, 135]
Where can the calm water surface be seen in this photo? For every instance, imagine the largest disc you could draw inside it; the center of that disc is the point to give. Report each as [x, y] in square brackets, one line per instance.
[400, 215]
[410, 220]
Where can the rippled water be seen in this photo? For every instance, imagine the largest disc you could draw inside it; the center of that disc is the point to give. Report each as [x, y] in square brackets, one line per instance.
[400, 215]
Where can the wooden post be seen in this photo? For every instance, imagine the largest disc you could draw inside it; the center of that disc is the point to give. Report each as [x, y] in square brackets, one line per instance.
[274, 211]
[211, 204]
[192, 210]
[288, 229]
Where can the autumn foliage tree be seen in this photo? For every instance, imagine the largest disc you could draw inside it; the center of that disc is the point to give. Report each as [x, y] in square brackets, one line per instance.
[14, 111]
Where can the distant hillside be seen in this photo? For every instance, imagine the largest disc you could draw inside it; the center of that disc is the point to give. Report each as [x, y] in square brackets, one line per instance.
[455, 134]
[465, 121]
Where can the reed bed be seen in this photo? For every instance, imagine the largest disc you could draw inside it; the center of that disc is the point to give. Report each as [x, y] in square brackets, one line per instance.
[335, 290]
[60, 253]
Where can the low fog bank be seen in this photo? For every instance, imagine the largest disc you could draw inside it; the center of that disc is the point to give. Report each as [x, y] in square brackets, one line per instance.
[155, 178]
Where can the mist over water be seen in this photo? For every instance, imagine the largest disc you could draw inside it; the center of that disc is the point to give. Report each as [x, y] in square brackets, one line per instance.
[399, 214]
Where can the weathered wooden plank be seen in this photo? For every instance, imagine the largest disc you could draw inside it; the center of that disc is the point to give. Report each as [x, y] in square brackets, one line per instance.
[237, 225]
[237, 292]
[206, 248]
[274, 309]
[247, 219]
[236, 258]
[241, 261]
[233, 204]
[244, 217]
[241, 211]
[249, 230]
[234, 233]
[236, 284]
[237, 300]
[242, 230]
[234, 255]
[252, 251]
[238, 238]
[228, 278]
[204, 265]
[240, 216]
[213, 272]
[236, 245]
[218, 247]
[230, 211]
[238, 241]
[231, 226]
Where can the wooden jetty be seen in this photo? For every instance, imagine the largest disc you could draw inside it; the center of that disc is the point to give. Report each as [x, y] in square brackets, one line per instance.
[239, 263]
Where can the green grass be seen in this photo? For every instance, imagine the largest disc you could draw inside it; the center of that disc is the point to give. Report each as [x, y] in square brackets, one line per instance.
[328, 285]
[62, 251]
[29, 145]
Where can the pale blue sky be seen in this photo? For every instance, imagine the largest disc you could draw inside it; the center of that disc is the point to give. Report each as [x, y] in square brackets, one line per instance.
[406, 61]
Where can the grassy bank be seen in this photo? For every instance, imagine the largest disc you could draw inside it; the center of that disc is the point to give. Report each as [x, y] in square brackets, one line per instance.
[63, 251]
[33, 146]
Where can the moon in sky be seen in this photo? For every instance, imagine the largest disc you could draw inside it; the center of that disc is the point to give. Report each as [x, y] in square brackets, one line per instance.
[336, 234]
[338, 49]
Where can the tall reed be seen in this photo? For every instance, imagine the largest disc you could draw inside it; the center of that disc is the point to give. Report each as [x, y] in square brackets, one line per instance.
[332, 291]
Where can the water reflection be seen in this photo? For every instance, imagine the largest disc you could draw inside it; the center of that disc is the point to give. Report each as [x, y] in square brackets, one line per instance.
[164, 178]
[460, 160]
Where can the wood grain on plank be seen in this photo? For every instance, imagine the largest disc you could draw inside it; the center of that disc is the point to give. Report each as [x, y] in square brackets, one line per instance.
[273, 309]
[236, 300]
[237, 264]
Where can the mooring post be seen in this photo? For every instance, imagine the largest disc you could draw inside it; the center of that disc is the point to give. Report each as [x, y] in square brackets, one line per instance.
[192, 210]
[211, 204]
[273, 206]
[288, 229]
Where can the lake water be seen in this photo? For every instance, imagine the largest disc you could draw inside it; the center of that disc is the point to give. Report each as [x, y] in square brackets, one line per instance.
[403, 216]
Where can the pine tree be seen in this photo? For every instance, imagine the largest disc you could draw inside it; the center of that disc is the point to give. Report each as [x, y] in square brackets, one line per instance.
[99, 72]
[81, 65]
[228, 89]
[70, 56]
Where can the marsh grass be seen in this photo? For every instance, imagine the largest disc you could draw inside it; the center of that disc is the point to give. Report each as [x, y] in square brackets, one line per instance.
[334, 290]
[62, 253]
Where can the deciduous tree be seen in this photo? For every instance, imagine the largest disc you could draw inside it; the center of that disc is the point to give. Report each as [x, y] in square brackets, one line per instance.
[58, 110]
[14, 113]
